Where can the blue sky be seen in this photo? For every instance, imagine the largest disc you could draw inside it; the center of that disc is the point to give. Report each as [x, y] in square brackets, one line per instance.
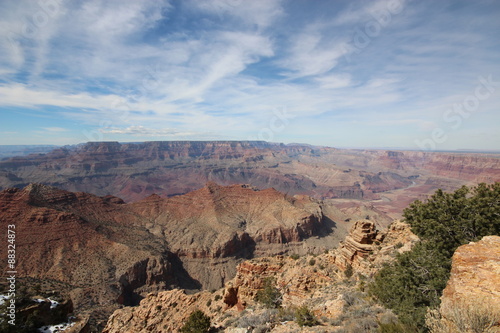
[389, 73]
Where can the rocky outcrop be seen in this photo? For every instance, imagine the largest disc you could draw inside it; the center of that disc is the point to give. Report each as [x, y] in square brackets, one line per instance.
[358, 244]
[365, 249]
[161, 312]
[474, 283]
[297, 282]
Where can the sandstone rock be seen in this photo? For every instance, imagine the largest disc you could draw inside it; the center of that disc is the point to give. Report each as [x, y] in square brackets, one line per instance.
[162, 312]
[357, 245]
[365, 249]
[475, 278]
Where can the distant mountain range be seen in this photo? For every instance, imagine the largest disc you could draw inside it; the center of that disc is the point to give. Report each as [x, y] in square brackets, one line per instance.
[23, 150]
[389, 180]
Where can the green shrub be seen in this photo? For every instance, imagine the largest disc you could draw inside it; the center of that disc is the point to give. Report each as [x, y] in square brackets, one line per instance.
[198, 322]
[417, 278]
[286, 314]
[304, 317]
[312, 262]
[348, 271]
[295, 256]
[270, 296]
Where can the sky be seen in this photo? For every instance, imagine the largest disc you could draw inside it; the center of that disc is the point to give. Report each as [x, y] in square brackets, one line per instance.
[369, 74]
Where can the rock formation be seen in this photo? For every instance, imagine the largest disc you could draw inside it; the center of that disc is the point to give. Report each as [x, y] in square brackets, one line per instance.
[314, 281]
[358, 244]
[366, 248]
[109, 253]
[474, 284]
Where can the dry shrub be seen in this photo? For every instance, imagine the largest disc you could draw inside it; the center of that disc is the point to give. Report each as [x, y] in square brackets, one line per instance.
[477, 317]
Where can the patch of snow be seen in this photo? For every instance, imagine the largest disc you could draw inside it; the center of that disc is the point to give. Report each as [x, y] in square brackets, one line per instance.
[56, 328]
[3, 298]
[53, 303]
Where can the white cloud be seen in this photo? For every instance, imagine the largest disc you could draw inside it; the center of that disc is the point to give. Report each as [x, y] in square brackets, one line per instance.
[311, 54]
[143, 131]
[335, 81]
[224, 66]
[357, 13]
[55, 129]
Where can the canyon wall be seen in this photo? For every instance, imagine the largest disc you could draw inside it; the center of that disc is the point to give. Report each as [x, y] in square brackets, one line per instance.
[134, 171]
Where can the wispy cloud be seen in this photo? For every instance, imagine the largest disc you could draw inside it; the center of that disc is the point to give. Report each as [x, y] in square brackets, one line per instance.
[143, 131]
[223, 66]
[55, 129]
[312, 54]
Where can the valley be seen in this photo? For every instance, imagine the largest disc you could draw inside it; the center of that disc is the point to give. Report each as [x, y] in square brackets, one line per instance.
[386, 180]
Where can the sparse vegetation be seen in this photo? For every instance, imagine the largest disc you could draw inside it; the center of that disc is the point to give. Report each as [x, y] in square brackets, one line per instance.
[258, 320]
[269, 296]
[198, 322]
[476, 317]
[312, 262]
[304, 317]
[294, 256]
[348, 271]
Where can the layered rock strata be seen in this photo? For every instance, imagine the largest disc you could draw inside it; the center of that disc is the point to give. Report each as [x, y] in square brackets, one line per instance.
[308, 280]
[109, 253]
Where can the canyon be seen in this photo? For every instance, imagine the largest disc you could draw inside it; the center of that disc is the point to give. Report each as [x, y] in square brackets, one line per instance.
[387, 180]
[114, 225]
[317, 281]
[104, 253]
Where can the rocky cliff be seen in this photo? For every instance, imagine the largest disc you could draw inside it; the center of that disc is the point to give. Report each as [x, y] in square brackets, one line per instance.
[314, 281]
[210, 229]
[109, 253]
[101, 264]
